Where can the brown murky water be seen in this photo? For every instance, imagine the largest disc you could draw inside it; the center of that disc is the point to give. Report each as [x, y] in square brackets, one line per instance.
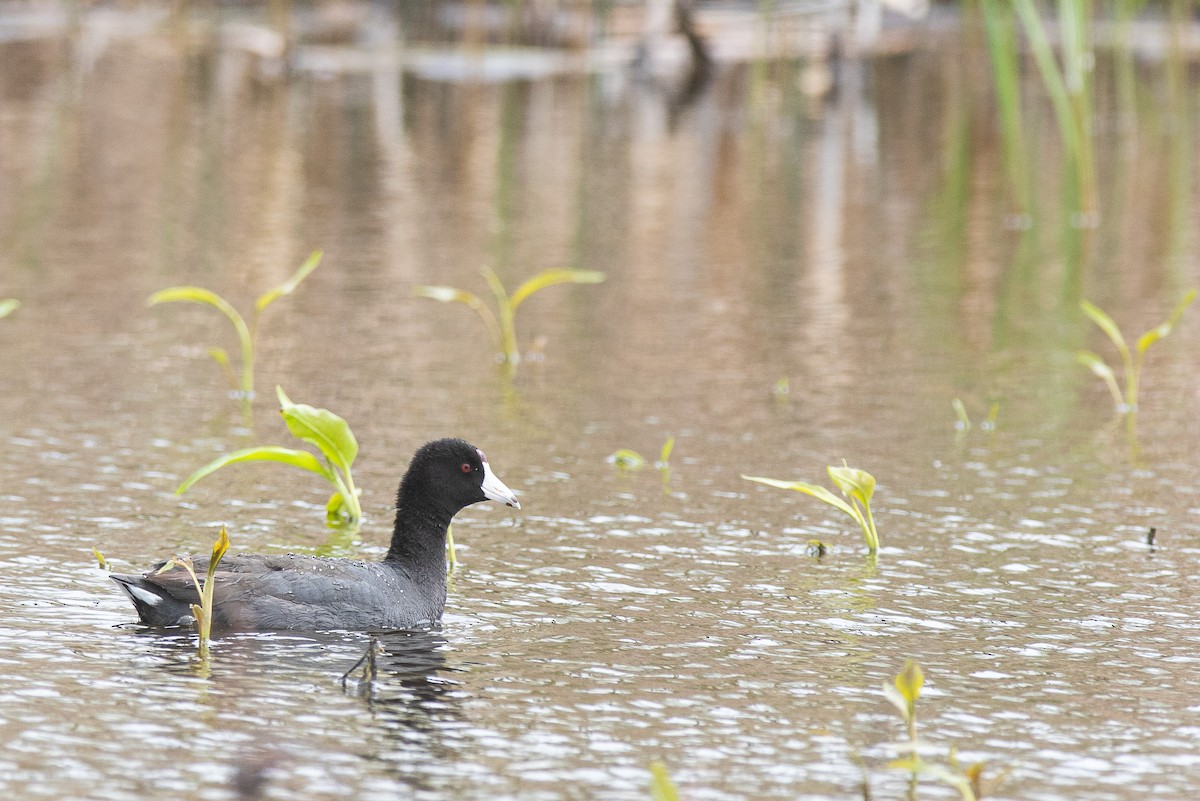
[859, 245]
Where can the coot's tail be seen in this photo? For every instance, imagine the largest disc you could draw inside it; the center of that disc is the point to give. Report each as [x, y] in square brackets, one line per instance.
[154, 606]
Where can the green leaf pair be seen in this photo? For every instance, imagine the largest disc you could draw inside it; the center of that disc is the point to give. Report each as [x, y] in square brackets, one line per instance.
[246, 333]
[1132, 360]
[329, 434]
[858, 486]
[502, 323]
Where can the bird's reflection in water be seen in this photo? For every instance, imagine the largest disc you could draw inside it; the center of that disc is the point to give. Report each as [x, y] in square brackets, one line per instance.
[411, 692]
[416, 732]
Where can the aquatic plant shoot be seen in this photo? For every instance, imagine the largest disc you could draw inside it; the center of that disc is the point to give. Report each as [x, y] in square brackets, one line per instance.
[202, 612]
[501, 324]
[858, 486]
[324, 430]
[246, 332]
[8, 306]
[1127, 402]
[903, 693]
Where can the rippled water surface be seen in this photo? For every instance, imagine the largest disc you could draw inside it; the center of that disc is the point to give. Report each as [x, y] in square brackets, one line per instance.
[859, 245]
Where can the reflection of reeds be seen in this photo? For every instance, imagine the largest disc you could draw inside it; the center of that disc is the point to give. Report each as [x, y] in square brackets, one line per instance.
[1067, 84]
[999, 26]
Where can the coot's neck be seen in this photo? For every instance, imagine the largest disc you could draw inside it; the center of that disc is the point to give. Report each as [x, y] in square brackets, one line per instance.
[419, 539]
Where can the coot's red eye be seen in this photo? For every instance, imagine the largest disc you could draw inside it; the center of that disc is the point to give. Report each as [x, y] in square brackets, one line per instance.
[466, 467]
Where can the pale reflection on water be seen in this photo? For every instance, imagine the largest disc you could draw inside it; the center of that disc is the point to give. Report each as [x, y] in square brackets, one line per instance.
[617, 618]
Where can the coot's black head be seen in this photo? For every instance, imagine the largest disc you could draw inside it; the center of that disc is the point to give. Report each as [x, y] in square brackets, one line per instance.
[448, 474]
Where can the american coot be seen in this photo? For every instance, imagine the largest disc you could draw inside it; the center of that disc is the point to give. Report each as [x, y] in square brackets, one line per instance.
[406, 590]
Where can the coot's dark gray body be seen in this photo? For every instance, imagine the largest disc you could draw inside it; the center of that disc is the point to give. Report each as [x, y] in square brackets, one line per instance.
[406, 590]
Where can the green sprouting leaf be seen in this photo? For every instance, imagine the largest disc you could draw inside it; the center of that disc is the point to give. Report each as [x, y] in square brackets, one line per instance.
[1096, 364]
[189, 294]
[1163, 329]
[448, 294]
[8, 306]
[289, 286]
[218, 551]
[266, 453]
[993, 414]
[909, 682]
[100, 559]
[1106, 324]
[857, 484]
[896, 698]
[321, 428]
[334, 507]
[626, 459]
[815, 490]
[664, 455]
[552, 277]
[219, 356]
[661, 786]
[1100, 367]
[960, 411]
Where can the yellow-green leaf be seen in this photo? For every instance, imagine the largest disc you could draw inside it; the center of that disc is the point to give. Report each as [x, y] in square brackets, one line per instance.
[289, 286]
[909, 682]
[661, 786]
[858, 484]
[1106, 324]
[960, 411]
[321, 428]
[218, 551]
[552, 277]
[100, 559]
[266, 453]
[1163, 329]
[8, 306]
[627, 459]
[334, 506]
[447, 294]
[195, 294]
[188, 294]
[815, 490]
[219, 356]
[896, 699]
[1096, 364]
[664, 455]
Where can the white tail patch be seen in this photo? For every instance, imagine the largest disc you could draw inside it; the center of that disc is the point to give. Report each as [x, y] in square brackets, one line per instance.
[137, 594]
